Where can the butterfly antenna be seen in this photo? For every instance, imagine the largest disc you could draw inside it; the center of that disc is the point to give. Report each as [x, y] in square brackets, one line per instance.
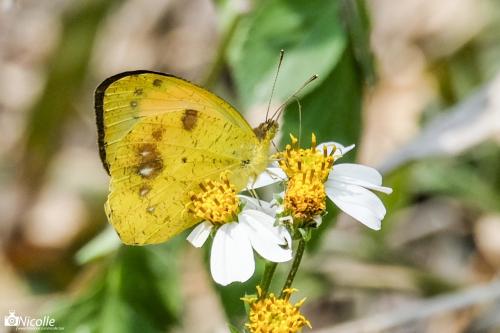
[254, 194]
[282, 53]
[300, 118]
[274, 145]
[280, 109]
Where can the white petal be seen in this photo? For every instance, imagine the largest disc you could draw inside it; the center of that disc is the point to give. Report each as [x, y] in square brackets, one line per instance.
[266, 238]
[286, 235]
[199, 235]
[359, 182]
[231, 258]
[270, 176]
[329, 146]
[356, 195]
[358, 171]
[357, 202]
[362, 214]
[383, 189]
[344, 150]
[318, 219]
[340, 150]
[264, 222]
[358, 174]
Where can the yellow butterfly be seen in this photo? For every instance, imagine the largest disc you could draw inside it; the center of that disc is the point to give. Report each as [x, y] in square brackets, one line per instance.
[159, 137]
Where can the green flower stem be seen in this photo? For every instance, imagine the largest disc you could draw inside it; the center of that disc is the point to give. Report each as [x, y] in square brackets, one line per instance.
[267, 277]
[295, 266]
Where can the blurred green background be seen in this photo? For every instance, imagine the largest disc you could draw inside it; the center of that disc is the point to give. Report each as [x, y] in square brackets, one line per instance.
[413, 83]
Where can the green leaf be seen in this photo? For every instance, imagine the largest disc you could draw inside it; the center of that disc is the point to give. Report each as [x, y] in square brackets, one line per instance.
[308, 31]
[233, 329]
[138, 291]
[356, 18]
[103, 244]
[231, 295]
[332, 111]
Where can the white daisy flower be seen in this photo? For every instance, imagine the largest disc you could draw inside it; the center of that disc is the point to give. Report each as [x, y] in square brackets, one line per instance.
[347, 185]
[237, 234]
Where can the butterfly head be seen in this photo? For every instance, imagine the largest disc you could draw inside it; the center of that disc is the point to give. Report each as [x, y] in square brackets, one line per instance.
[266, 130]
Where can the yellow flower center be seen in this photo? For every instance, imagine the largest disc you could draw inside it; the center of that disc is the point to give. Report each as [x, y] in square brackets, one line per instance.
[305, 196]
[273, 314]
[217, 202]
[297, 160]
[307, 170]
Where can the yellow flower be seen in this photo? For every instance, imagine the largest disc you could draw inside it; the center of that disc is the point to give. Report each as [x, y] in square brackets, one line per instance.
[305, 196]
[307, 170]
[297, 161]
[273, 314]
[217, 203]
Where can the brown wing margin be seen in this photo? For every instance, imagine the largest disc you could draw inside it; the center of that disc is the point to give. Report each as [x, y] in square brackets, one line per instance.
[99, 110]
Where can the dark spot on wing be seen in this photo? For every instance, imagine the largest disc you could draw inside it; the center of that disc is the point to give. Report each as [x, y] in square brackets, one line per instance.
[184, 159]
[189, 119]
[138, 91]
[157, 83]
[157, 134]
[144, 190]
[150, 163]
[133, 104]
